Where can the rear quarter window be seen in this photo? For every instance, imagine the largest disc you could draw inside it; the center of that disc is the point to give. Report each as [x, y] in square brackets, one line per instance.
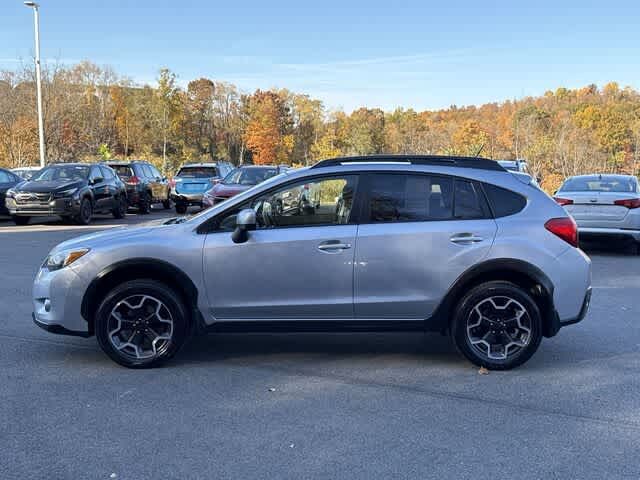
[504, 202]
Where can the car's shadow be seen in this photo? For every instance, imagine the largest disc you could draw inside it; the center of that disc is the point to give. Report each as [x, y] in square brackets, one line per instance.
[309, 346]
[610, 247]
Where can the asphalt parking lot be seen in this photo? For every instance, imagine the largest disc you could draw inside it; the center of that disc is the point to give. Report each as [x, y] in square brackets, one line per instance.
[317, 406]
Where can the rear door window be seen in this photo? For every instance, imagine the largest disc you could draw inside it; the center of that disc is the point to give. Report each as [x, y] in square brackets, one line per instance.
[468, 201]
[409, 198]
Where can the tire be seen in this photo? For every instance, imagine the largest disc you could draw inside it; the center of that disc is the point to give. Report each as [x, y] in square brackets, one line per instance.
[166, 204]
[121, 208]
[145, 295]
[86, 211]
[511, 311]
[181, 208]
[20, 220]
[144, 205]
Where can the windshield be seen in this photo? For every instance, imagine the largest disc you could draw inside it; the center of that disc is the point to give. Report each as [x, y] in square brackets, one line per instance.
[197, 172]
[249, 176]
[247, 193]
[62, 172]
[599, 184]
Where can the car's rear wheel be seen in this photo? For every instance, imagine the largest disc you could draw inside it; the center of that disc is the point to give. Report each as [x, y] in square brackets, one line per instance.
[497, 325]
[20, 220]
[181, 208]
[166, 204]
[86, 212]
[141, 324]
[120, 210]
[144, 205]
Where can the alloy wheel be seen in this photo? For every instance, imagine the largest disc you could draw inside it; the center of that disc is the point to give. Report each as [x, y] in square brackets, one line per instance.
[499, 327]
[140, 327]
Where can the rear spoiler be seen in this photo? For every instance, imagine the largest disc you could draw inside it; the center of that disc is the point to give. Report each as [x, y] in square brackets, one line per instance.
[524, 178]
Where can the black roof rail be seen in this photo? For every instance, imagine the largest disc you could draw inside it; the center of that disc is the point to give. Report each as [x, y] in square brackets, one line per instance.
[444, 160]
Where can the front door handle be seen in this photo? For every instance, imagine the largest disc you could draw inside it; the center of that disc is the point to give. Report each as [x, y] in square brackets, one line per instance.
[466, 238]
[333, 246]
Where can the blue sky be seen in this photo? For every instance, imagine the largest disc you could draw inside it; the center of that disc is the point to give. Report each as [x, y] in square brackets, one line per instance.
[418, 54]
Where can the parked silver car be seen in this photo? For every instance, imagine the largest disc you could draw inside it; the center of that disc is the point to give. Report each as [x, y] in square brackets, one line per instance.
[446, 244]
[604, 206]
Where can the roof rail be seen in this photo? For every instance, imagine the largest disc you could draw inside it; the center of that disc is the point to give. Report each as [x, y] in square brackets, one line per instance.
[444, 160]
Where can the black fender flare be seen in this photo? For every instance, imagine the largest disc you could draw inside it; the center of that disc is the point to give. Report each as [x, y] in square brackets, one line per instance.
[510, 269]
[142, 267]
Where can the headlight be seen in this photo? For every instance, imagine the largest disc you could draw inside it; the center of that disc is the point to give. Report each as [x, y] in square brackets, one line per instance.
[10, 193]
[65, 193]
[64, 258]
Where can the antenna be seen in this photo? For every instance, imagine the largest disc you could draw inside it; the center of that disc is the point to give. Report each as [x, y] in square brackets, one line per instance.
[479, 150]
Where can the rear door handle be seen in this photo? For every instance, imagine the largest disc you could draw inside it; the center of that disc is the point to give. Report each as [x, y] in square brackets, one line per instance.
[466, 238]
[333, 246]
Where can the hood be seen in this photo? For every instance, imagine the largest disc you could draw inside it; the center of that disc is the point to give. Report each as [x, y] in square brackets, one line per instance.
[229, 190]
[50, 186]
[97, 238]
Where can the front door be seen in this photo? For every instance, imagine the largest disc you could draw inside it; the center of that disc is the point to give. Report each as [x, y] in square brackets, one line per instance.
[419, 233]
[297, 264]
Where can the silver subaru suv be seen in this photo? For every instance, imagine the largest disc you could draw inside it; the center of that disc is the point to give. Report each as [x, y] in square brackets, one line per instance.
[424, 243]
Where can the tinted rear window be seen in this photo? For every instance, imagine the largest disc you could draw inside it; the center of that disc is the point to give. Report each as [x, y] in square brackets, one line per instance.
[410, 198]
[197, 172]
[599, 184]
[468, 201]
[122, 170]
[504, 202]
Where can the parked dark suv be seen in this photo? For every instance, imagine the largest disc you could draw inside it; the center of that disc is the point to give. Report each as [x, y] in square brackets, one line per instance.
[73, 191]
[145, 184]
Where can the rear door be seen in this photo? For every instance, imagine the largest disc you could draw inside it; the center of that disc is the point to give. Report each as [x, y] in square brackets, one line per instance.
[419, 233]
[100, 189]
[111, 186]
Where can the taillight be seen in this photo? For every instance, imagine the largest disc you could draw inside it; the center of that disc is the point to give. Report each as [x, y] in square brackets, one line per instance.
[629, 203]
[565, 228]
[563, 201]
[172, 183]
[133, 180]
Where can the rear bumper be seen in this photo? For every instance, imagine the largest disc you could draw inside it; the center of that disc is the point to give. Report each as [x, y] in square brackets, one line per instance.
[599, 232]
[556, 324]
[56, 207]
[188, 198]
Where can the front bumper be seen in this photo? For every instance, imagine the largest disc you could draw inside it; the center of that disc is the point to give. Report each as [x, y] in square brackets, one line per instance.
[57, 300]
[56, 207]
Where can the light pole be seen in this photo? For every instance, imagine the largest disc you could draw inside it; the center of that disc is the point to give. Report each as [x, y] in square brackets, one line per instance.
[36, 22]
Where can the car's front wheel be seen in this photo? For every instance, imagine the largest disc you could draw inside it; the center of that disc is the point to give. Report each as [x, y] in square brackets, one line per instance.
[141, 323]
[85, 213]
[497, 325]
[181, 208]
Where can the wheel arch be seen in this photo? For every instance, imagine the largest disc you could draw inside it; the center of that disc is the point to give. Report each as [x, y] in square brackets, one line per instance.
[521, 273]
[139, 268]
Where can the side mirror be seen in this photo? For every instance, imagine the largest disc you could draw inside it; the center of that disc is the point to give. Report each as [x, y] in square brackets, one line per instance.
[96, 180]
[245, 221]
